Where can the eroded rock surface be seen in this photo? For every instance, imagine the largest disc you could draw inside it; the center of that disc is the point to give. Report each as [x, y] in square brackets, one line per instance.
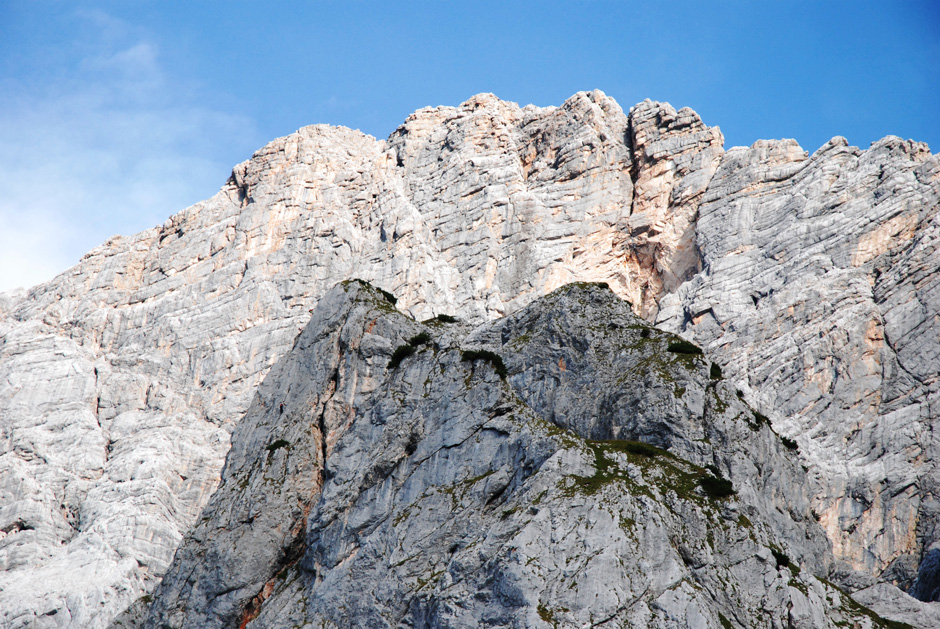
[455, 489]
[820, 289]
[811, 279]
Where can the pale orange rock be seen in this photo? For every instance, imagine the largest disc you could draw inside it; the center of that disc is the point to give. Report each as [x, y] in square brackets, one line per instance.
[122, 378]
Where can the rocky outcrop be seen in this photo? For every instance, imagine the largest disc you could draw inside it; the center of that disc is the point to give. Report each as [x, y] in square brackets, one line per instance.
[367, 487]
[820, 290]
[810, 279]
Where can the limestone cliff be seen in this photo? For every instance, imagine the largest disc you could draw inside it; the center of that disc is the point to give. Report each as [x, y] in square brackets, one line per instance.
[446, 486]
[812, 280]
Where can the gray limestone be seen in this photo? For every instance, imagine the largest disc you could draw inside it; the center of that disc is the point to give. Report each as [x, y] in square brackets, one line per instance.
[437, 493]
[820, 291]
[811, 279]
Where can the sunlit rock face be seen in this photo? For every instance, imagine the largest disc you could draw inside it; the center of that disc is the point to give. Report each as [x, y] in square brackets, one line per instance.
[448, 488]
[820, 290]
[812, 281]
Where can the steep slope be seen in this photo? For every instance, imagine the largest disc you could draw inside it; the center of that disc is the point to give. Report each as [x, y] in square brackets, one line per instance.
[122, 379]
[441, 491]
[821, 290]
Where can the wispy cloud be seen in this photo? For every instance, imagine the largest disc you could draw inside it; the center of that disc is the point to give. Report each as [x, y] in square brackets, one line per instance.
[109, 144]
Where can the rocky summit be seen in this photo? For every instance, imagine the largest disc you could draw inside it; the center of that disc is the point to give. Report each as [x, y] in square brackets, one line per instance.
[568, 465]
[512, 366]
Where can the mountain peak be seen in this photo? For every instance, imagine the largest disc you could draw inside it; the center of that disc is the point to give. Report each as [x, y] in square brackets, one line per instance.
[809, 281]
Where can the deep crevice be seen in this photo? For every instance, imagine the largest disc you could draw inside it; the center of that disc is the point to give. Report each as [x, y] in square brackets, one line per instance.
[321, 426]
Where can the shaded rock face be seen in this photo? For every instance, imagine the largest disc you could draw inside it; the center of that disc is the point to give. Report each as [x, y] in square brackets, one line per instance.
[437, 493]
[810, 279]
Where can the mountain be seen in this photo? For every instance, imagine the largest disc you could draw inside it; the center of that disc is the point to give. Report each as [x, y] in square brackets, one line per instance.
[811, 282]
[568, 463]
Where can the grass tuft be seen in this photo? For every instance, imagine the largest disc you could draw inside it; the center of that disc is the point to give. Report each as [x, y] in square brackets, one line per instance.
[638, 447]
[717, 487]
[419, 339]
[277, 445]
[401, 353]
[390, 298]
[473, 355]
[684, 347]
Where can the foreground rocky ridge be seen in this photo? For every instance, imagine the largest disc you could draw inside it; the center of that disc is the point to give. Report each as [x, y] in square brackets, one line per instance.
[811, 279]
[456, 489]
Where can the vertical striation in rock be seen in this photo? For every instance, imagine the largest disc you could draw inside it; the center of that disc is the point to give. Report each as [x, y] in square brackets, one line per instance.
[820, 290]
[811, 280]
[453, 489]
[675, 158]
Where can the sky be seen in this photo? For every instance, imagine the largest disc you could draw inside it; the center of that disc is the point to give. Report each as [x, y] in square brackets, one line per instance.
[116, 115]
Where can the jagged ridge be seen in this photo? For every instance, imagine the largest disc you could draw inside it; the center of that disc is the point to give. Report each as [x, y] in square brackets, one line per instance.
[452, 496]
[121, 379]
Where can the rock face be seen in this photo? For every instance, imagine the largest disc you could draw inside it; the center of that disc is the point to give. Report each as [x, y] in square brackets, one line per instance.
[453, 489]
[812, 280]
[821, 289]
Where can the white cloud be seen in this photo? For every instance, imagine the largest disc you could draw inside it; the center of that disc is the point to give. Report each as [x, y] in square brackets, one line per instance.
[114, 146]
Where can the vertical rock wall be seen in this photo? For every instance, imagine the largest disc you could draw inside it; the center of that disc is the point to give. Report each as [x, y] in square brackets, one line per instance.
[820, 290]
[812, 279]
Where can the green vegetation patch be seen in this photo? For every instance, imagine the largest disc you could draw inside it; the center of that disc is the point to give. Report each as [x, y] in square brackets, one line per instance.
[545, 614]
[589, 285]
[432, 578]
[679, 354]
[716, 487]
[720, 405]
[636, 447]
[567, 438]
[758, 419]
[404, 514]
[401, 353]
[548, 615]
[458, 491]
[790, 444]
[850, 606]
[404, 351]
[440, 319]
[419, 339]
[678, 475]
[782, 560]
[521, 340]
[684, 347]
[715, 372]
[277, 445]
[606, 469]
[473, 355]
[390, 298]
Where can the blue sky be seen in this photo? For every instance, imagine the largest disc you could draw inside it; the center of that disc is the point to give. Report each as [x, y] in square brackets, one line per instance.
[115, 115]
